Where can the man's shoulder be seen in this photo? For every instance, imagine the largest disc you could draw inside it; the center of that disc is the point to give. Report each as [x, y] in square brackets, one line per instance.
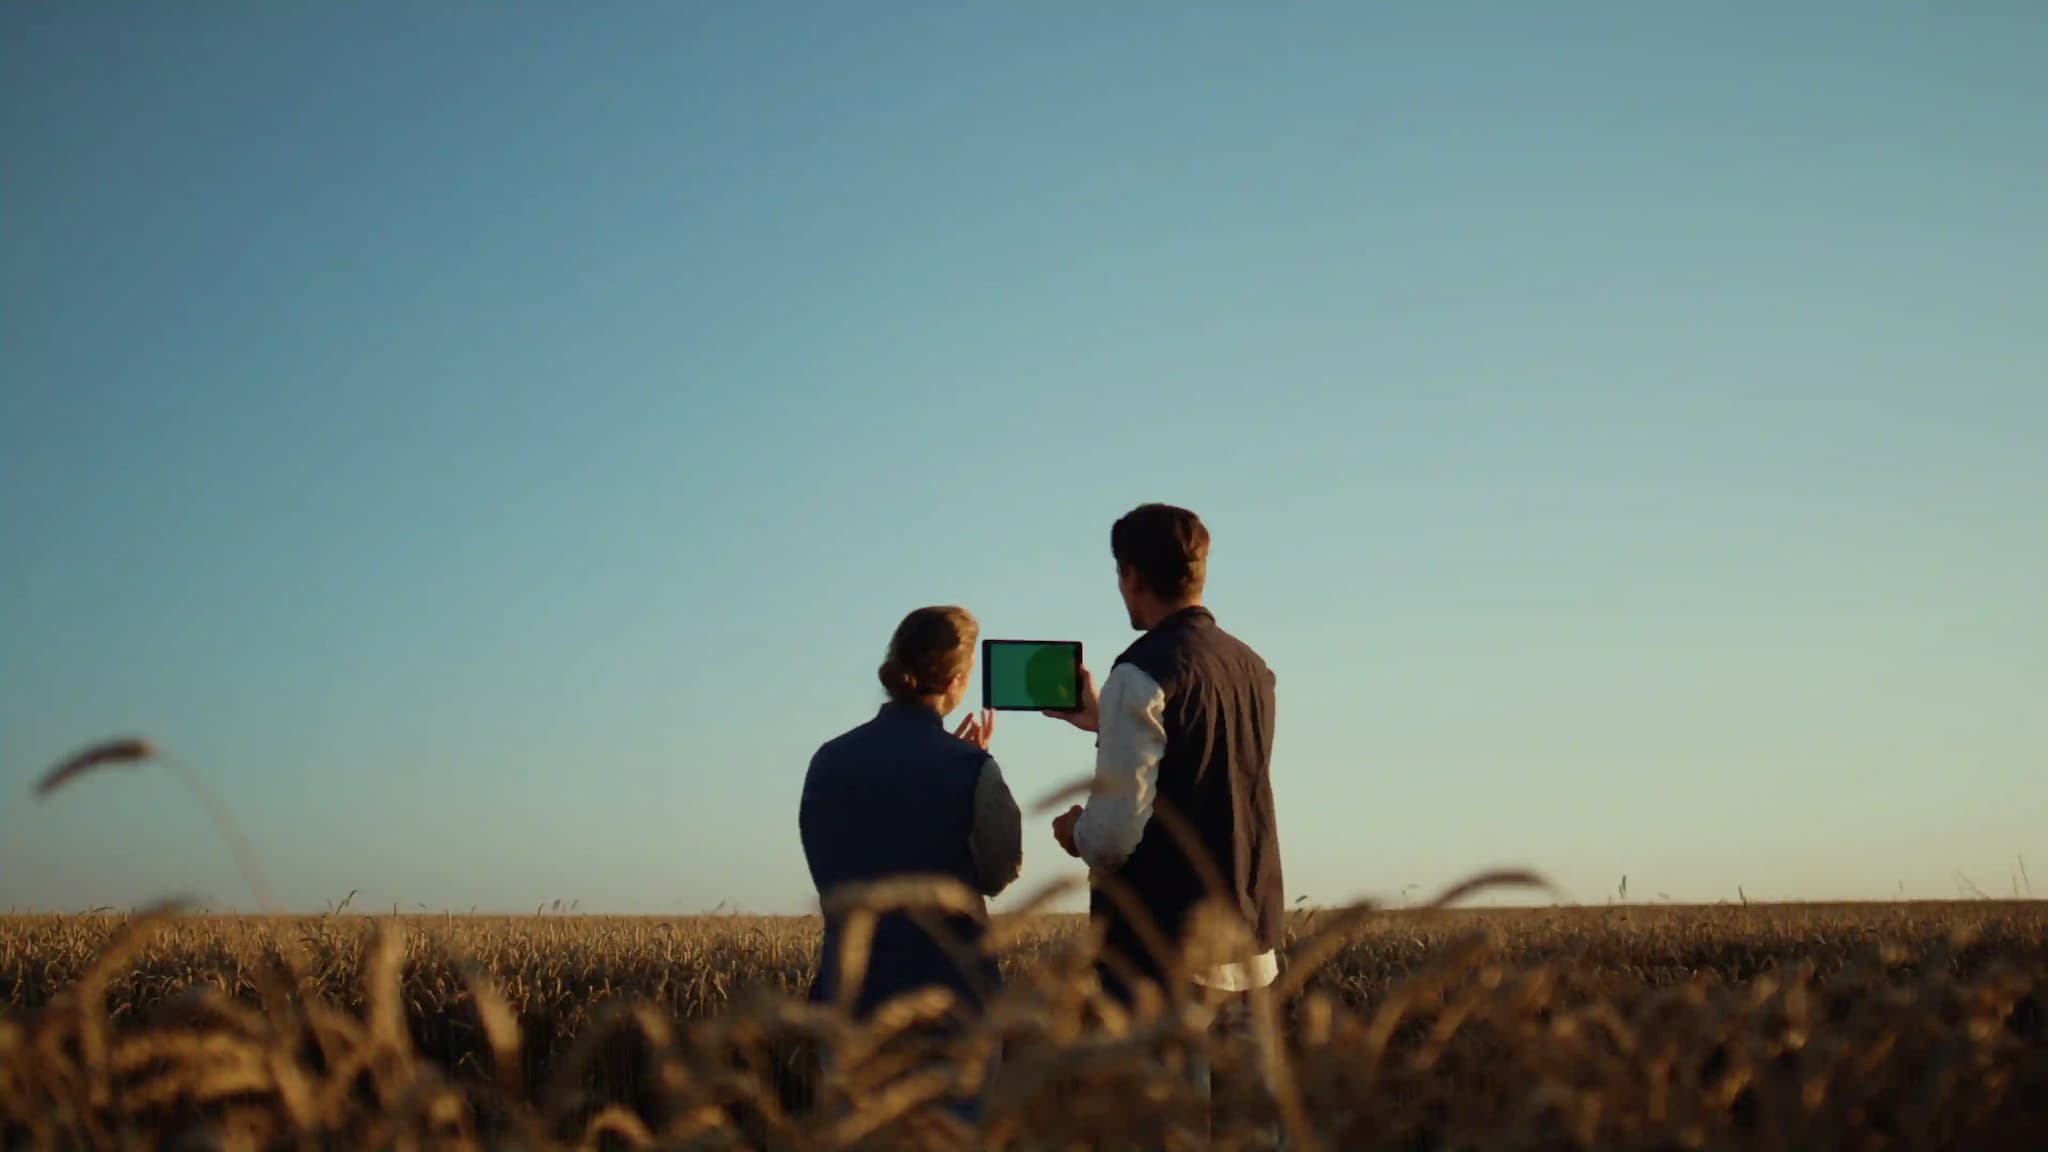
[1236, 644]
[1195, 632]
[1196, 649]
[1156, 645]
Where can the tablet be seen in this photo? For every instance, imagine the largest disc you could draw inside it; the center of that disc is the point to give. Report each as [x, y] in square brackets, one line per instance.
[1031, 675]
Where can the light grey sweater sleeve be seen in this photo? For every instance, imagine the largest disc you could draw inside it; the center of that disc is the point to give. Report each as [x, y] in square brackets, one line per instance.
[996, 839]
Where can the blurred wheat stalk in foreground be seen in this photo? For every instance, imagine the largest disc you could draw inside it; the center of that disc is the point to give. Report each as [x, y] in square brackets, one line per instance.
[359, 1033]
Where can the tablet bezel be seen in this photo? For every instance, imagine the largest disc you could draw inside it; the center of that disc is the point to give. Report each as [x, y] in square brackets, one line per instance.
[987, 671]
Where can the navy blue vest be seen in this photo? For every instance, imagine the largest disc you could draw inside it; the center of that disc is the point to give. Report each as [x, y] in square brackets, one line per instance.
[895, 798]
[1219, 744]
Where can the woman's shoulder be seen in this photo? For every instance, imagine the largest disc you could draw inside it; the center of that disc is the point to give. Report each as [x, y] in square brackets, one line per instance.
[846, 743]
[964, 751]
[878, 735]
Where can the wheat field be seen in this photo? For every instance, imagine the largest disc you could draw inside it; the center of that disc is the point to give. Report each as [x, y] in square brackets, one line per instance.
[1879, 1027]
[1787, 1027]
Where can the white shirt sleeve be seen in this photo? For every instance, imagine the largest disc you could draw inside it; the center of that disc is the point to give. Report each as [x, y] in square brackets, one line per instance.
[1127, 753]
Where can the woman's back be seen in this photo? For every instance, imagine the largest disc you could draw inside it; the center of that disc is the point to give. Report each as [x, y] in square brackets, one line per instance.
[901, 797]
[892, 797]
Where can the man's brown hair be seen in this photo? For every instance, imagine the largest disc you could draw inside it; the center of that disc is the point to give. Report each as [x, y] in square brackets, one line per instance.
[1167, 546]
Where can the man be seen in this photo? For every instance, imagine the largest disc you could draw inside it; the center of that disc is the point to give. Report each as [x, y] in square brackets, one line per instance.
[1183, 723]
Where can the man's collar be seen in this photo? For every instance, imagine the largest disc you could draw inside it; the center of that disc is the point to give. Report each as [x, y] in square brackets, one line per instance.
[1192, 614]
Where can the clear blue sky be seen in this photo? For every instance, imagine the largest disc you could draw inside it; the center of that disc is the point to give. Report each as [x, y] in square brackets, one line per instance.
[494, 442]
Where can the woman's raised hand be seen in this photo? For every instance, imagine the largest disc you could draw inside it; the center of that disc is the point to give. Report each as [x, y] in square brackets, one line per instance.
[978, 728]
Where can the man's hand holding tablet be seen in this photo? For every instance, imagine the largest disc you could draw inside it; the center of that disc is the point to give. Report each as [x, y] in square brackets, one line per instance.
[1087, 714]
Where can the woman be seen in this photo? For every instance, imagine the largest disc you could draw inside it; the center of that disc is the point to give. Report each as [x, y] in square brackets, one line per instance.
[901, 797]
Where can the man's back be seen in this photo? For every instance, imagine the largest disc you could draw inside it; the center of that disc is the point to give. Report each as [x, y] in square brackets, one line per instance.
[1202, 703]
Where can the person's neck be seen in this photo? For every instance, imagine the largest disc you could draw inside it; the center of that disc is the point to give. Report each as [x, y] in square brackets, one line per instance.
[1161, 613]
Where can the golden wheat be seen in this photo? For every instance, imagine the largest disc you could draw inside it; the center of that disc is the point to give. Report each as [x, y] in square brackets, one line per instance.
[1888, 1027]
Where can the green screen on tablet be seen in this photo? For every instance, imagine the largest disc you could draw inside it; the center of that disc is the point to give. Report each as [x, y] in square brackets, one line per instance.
[1031, 675]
